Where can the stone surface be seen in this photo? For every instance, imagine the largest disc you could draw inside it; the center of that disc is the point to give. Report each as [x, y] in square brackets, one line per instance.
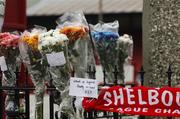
[161, 41]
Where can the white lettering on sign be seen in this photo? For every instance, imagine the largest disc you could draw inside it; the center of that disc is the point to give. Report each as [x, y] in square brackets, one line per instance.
[121, 96]
[178, 98]
[3, 63]
[145, 110]
[118, 97]
[130, 96]
[56, 59]
[167, 111]
[120, 110]
[137, 109]
[153, 97]
[82, 87]
[164, 94]
[141, 102]
[106, 97]
[158, 110]
[128, 109]
[176, 112]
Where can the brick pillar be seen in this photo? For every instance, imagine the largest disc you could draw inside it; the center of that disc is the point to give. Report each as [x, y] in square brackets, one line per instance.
[161, 41]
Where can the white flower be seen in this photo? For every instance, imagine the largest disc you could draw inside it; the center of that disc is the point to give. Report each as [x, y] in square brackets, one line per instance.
[126, 39]
[51, 37]
[60, 36]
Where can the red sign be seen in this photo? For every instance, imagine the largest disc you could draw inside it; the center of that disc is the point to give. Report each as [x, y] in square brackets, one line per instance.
[137, 101]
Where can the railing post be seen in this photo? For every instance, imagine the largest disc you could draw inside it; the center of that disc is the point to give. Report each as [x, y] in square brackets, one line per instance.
[115, 75]
[74, 98]
[1, 99]
[17, 97]
[27, 110]
[142, 72]
[94, 77]
[115, 115]
[169, 74]
[91, 72]
[104, 77]
[51, 101]
[104, 83]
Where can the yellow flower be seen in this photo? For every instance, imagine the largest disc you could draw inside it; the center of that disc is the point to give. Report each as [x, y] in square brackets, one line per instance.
[32, 41]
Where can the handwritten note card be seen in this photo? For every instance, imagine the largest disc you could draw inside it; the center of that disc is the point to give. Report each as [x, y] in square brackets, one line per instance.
[82, 87]
[56, 59]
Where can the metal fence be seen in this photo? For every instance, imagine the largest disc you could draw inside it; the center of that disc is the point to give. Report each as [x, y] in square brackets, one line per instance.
[26, 89]
[109, 115]
[87, 115]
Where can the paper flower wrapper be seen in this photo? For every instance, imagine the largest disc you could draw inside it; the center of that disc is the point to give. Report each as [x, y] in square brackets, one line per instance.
[31, 56]
[9, 54]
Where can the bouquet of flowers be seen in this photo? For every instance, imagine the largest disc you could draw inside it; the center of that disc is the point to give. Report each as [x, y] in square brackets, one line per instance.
[9, 53]
[31, 56]
[80, 52]
[74, 25]
[112, 50]
[53, 47]
[124, 53]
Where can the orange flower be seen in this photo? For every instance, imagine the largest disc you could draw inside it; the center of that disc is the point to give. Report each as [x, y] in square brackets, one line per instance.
[32, 41]
[74, 32]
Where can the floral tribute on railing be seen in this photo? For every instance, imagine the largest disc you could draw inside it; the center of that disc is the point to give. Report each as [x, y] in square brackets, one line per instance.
[9, 53]
[32, 58]
[113, 50]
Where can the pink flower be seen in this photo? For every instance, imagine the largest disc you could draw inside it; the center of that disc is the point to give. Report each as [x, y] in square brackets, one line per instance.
[8, 40]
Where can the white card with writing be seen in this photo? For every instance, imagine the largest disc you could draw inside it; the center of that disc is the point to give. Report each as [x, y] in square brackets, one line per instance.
[56, 59]
[82, 87]
[3, 63]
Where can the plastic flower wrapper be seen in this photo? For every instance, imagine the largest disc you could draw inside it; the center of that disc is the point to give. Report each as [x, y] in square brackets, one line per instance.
[31, 56]
[124, 53]
[9, 53]
[110, 50]
[105, 36]
[54, 49]
[74, 25]
[2, 8]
